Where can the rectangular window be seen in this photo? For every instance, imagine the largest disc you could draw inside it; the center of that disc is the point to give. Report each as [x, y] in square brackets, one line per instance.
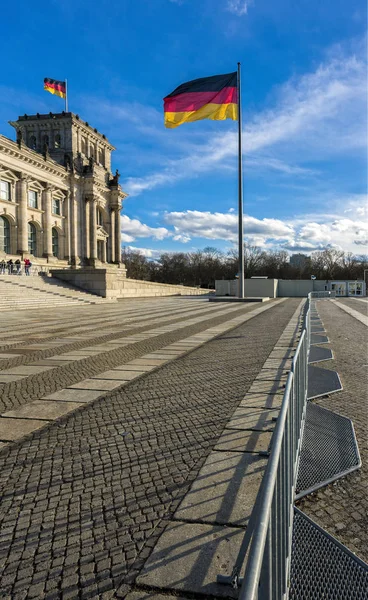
[56, 206]
[5, 190]
[32, 199]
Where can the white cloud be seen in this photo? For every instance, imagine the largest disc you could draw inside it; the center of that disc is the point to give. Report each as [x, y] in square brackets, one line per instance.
[238, 7]
[305, 233]
[223, 226]
[147, 252]
[315, 117]
[133, 228]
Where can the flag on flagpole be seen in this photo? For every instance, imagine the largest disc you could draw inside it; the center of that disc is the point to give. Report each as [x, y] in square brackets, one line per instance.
[213, 97]
[55, 87]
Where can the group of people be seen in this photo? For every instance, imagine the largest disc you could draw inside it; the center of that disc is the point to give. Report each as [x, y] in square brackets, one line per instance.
[14, 268]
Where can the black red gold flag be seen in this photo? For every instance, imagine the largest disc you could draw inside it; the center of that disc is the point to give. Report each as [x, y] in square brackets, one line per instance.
[213, 97]
[55, 87]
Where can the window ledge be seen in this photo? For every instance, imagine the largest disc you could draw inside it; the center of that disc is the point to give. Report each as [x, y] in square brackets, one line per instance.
[10, 202]
[35, 209]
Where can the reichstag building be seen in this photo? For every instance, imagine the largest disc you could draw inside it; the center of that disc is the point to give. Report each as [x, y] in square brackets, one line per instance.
[59, 202]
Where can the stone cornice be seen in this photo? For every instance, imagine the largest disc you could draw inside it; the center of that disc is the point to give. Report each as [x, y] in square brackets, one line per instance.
[60, 119]
[32, 158]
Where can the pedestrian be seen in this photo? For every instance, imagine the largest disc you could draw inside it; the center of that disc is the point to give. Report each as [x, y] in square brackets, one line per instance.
[27, 265]
[10, 266]
[2, 266]
[18, 266]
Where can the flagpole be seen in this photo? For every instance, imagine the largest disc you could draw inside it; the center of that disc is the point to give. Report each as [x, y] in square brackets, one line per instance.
[240, 195]
[66, 95]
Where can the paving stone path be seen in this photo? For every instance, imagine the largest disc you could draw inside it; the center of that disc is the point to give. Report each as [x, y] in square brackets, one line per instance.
[30, 376]
[342, 507]
[84, 499]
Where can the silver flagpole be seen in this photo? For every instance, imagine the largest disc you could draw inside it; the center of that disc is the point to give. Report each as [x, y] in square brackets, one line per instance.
[240, 195]
[66, 95]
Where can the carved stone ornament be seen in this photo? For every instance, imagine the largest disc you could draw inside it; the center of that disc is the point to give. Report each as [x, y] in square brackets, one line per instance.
[78, 164]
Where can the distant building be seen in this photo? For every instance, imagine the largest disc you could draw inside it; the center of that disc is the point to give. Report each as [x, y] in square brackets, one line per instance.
[59, 202]
[300, 261]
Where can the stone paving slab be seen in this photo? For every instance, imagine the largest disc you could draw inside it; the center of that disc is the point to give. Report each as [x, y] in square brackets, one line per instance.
[272, 375]
[119, 375]
[155, 362]
[270, 401]
[143, 595]
[71, 395]
[353, 313]
[97, 384]
[225, 489]
[13, 429]
[260, 420]
[50, 362]
[267, 387]
[137, 368]
[282, 353]
[161, 355]
[9, 378]
[189, 557]
[239, 440]
[26, 370]
[43, 409]
[276, 363]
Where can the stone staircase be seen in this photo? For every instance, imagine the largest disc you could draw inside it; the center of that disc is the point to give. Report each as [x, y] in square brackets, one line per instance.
[21, 292]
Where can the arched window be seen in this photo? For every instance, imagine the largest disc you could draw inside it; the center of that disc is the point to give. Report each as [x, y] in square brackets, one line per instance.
[57, 140]
[55, 242]
[84, 146]
[32, 239]
[99, 217]
[4, 235]
[92, 151]
[101, 157]
[33, 142]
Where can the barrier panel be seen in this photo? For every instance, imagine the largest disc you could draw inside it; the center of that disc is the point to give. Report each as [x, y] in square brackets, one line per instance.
[322, 294]
[268, 537]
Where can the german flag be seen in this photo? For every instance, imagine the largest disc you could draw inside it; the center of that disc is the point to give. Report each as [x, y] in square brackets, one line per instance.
[55, 87]
[206, 98]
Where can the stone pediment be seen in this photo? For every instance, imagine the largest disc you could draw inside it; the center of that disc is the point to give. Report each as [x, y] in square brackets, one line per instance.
[101, 232]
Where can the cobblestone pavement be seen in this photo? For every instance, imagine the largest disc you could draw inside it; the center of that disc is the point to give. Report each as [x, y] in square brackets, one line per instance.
[84, 499]
[342, 507]
[18, 392]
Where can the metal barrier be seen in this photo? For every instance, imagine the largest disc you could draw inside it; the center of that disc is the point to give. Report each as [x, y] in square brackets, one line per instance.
[322, 294]
[269, 533]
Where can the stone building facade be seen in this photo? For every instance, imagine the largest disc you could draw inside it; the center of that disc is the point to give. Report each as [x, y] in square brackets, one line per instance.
[59, 202]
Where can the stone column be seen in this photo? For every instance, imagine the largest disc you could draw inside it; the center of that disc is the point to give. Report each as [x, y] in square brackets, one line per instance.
[47, 222]
[117, 236]
[21, 196]
[112, 236]
[73, 229]
[93, 231]
[67, 229]
[86, 229]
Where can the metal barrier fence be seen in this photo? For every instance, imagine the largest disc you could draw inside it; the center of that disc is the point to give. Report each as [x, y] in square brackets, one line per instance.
[269, 533]
[322, 294]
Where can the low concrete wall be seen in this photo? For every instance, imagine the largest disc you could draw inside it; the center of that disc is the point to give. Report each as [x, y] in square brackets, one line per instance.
[112, 283]
[256, 288]
[295, 287]
[226, 287]
[262, 288]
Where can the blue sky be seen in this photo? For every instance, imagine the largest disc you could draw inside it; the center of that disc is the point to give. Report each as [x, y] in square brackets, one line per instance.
[304, 81]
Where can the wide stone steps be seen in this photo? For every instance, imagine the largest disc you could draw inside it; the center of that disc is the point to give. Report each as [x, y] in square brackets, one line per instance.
[22, 292]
